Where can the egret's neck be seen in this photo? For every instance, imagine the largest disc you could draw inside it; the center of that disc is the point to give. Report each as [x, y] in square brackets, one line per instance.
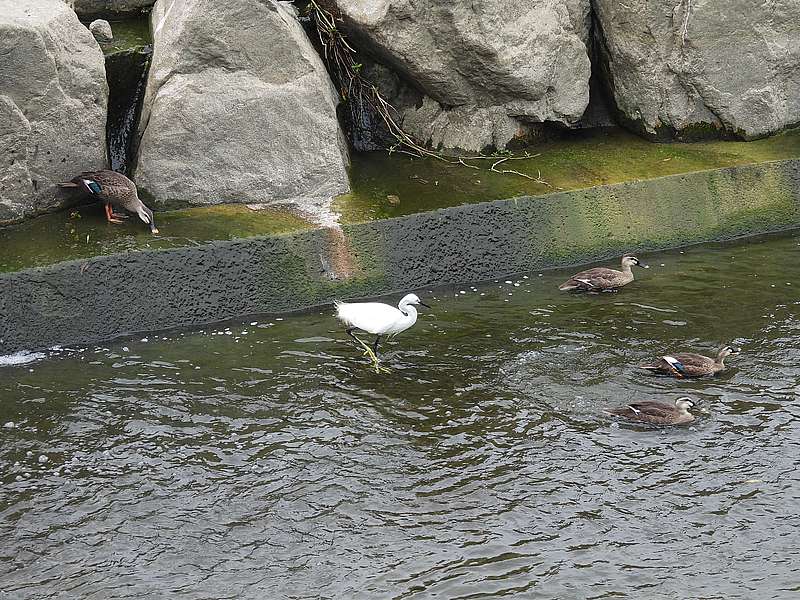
[410, 312]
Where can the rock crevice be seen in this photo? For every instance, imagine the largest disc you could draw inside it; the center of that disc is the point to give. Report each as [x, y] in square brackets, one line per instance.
[473, 75]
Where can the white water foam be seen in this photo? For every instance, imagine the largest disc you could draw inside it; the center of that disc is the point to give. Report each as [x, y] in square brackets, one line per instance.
[23, 357]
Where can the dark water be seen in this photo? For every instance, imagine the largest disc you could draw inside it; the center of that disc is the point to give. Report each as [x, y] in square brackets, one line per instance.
[265, 460]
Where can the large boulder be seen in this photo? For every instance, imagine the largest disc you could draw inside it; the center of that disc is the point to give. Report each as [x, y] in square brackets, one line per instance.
[487, 71]
[53, 99]
[703, 66]
[238, 108]
[113, 9]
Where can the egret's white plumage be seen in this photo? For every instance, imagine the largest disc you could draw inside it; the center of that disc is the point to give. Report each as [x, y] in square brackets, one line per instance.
[378, 318]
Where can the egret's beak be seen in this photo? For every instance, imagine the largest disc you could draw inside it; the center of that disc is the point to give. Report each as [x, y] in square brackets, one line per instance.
[423, 304]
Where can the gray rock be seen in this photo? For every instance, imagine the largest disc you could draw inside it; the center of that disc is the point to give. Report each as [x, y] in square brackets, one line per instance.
[679, 67]
[487, 71]
[114, 9]
[53, 100]
[236, 113]
[101, 30]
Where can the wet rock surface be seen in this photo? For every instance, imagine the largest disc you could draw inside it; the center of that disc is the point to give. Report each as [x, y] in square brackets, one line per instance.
[693, 69]
[52, 105]
[237, 114]
[127, 62]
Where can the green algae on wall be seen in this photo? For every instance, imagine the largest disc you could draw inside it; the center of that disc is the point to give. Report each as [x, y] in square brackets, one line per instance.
[84, 233]
[129, 35]
[155, 289]
[580, 160]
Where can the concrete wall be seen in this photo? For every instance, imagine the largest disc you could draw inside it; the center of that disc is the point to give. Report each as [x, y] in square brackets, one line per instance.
[92, 300]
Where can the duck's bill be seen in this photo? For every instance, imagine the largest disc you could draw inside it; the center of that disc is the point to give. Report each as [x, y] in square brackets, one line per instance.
[644, 266]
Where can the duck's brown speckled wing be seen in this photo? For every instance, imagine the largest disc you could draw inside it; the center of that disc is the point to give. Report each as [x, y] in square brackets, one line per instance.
[650, 411]
[599, 278]
[114, 188]
[693, 364]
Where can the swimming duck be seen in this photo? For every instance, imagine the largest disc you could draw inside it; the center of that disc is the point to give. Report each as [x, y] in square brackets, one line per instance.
[602, 279]
[658, 413]
[114, 189]
[688, 364]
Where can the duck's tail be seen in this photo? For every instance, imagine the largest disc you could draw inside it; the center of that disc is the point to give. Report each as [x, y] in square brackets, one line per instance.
[573, 284]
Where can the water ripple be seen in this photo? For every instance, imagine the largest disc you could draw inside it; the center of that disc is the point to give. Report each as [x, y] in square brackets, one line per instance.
[276, 464]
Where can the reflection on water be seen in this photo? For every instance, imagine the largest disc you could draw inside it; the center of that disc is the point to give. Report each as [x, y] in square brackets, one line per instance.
[266, 460]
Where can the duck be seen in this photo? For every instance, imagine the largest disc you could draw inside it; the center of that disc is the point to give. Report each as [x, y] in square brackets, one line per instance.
[603, 279]
[378, 319]
[689, 364]
[657, 413]
[115, 190]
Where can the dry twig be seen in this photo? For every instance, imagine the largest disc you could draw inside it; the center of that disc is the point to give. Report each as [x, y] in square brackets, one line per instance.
[354, 89]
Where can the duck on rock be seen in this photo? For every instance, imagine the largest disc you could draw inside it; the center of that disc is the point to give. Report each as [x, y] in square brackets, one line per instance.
[603, 279]
[689, 364]
[115, 190]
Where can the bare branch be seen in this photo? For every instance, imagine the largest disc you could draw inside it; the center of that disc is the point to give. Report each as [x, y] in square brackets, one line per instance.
[340, 57]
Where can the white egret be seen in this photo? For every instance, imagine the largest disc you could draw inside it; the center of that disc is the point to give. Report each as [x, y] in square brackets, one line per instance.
[379, 319]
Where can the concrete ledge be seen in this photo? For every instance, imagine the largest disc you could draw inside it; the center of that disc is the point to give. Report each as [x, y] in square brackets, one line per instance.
[96, 299]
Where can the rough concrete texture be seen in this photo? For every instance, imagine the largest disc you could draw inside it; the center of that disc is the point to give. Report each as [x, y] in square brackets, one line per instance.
[145, 291]
[238, 108]
[687, 67]
[111, 9]
[53, 97]
[487, 70]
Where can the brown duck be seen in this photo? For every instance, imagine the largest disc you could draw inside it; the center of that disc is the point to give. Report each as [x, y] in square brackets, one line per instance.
[657, 413]
[688, 364]
[114, 189]
[602, 279]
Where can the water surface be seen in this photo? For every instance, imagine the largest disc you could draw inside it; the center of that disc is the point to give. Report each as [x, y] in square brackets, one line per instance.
[264, 459]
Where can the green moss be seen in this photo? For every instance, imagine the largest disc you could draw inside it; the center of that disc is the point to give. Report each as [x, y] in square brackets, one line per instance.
[580, 160]
[130, 35]
[83, 232]
[588, 221]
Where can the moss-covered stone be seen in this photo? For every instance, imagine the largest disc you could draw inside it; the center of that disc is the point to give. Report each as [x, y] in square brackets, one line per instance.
[578, 160]
[84, 233]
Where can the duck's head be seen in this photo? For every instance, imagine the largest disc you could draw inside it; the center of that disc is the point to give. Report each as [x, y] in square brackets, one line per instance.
[629, 260]
[727, 351]
[685, 403]
[146, 215]
[412, 299]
